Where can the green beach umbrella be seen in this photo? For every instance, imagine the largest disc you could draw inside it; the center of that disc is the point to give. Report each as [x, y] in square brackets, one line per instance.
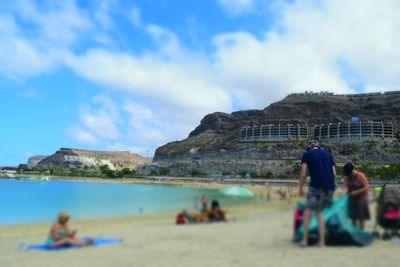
[236, 191]
[378, 189]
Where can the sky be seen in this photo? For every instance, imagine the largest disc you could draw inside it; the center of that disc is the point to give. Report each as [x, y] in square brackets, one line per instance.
[136, 74]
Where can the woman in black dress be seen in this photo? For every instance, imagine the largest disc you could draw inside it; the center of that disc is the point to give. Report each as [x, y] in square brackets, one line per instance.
[356, 185]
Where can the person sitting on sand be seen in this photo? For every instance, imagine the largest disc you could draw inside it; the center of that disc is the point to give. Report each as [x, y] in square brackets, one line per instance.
[185, 218]
[356, 185]
[60, 235]
[216, 214]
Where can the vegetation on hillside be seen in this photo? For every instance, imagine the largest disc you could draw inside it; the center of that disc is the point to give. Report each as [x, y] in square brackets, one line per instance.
[372, 171]
[103, 172]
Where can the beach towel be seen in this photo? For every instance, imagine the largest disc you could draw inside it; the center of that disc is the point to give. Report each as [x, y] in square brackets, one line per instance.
[97, 242]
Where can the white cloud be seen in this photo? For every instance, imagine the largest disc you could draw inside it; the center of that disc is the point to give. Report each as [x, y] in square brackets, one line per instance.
[82, 136]
[181, 86]
[60, 23]
[8, 26]
[103, 13]
[53, 30]
[238, 6]
[143, 151]
[303, 51]
[98, 122]
[122, 147]
[260, 71]
[149, 127]
[144, 125]
[143, 130]
[135, 16]
[173, 80]
[167, 41]
[26, 60]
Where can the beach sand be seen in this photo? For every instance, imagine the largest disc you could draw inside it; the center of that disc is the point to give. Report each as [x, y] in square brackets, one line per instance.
[256, 235]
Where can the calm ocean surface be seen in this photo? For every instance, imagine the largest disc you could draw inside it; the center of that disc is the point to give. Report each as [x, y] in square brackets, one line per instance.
[40, 201]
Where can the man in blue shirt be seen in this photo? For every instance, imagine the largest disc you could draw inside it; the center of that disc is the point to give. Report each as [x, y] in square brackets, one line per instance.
[321, 168]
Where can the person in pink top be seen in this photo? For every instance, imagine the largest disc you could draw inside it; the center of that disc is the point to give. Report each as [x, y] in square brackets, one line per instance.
[356, 186]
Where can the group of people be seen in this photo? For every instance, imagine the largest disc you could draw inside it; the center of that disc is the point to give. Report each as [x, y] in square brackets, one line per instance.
[60, 234]
[316, 163]
[320, 166]
[212, 214]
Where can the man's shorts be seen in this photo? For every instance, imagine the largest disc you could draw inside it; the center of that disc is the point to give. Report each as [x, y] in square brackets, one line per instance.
[319, 199]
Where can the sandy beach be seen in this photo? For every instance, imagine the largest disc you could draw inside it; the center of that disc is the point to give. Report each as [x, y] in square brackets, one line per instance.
[256, 235]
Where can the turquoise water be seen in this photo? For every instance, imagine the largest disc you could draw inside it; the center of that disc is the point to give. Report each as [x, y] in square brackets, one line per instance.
[40, 201]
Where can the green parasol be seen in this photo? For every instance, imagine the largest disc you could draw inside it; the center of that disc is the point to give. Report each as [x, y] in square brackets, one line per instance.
[237, 191]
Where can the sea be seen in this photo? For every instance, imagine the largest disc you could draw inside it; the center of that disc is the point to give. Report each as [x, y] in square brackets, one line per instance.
[26, 201]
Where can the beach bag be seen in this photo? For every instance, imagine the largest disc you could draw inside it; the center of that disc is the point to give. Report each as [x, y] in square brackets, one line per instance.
[298, 220]
[180, 219]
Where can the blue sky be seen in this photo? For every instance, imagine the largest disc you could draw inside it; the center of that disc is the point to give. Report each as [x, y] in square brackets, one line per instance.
[134, 75]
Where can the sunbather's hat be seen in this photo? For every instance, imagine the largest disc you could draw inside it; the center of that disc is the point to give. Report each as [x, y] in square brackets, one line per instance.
[312, 144]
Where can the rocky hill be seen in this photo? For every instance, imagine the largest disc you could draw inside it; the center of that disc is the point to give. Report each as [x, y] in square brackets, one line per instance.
[213, 146]
[80, 159]
[34, 160]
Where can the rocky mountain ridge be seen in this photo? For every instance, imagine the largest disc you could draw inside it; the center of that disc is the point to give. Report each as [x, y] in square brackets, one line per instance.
[34, 161]
[213, 146]
[80, 159]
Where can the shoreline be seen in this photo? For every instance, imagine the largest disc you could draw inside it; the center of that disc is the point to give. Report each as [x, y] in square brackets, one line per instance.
[206, 183]
[191, 181]
[158, 179]
[260, 197]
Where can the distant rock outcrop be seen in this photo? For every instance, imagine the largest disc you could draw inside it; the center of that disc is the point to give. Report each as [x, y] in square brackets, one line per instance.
[33, 161]
[213, 147]
[80, 159]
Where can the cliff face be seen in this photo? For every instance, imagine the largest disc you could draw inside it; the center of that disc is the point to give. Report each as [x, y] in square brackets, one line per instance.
[221, 131]
[216, 138]
[78, 158]
[34, 160]
[323, 109]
